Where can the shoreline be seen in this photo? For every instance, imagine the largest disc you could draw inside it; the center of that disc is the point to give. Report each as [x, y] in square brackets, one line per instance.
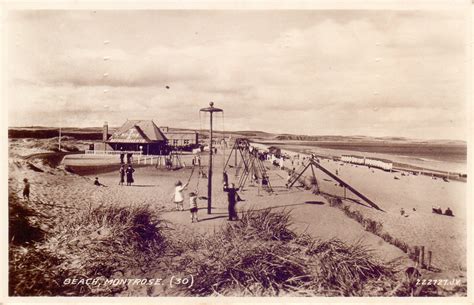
[397, 166]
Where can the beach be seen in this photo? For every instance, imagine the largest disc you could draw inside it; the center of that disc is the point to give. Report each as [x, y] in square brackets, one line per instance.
[444, 236]
[60, 194]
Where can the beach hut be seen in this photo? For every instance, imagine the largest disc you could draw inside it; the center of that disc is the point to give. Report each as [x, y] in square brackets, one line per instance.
[139, 135]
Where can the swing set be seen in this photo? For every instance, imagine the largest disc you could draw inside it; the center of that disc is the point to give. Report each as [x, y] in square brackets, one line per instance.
[250, 163]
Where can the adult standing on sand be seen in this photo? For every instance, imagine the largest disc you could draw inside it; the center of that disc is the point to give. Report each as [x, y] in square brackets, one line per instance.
[232, 200]
[129, 173]
[122, 174]
[178, 195]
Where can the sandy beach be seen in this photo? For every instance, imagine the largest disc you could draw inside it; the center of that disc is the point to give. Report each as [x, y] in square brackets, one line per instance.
[62, 194]
[444, 236]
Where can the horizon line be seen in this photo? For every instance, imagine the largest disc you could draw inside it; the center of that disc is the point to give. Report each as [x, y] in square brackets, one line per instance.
[261, 131]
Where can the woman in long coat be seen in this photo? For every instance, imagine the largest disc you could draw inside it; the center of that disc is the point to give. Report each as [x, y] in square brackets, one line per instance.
[122, 174]
[129, 173]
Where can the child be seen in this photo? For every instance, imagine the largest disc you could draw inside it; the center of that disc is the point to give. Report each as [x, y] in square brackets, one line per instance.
[26, 190]
[178, 195]
[193, 208]
[97, 183]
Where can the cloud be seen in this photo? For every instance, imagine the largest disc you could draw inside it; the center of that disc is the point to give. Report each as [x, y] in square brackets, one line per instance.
[327, 75]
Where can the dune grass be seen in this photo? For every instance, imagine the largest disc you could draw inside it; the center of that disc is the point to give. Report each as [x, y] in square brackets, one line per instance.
[98, 243]
[261, 256]
[257, 256]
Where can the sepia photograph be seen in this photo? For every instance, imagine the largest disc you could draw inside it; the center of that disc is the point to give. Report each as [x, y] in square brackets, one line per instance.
[237, 152]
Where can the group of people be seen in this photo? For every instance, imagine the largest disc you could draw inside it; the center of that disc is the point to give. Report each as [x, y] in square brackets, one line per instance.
[435, 210]
[128, 172]
[178, 199]
[125, 173]
[232, 198]
[438, 210]
[122, 157]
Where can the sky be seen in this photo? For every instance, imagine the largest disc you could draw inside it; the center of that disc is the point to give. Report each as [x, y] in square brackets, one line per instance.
[315, 72]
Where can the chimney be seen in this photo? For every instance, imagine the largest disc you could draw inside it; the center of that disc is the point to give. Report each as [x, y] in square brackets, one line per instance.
[105, 132]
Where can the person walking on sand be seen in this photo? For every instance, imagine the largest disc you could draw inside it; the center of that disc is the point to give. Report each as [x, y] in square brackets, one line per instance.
[232, 200]
[26, 189]
[193, 207]
[178, 195]
[129, 173]
[122, 174]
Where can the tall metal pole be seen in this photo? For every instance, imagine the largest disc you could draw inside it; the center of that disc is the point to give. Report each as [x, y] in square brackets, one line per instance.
[209, 184]
[211, 110]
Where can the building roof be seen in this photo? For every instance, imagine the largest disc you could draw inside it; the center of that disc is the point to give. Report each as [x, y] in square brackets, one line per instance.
[180, 132]
[181, 135]
[137, 131]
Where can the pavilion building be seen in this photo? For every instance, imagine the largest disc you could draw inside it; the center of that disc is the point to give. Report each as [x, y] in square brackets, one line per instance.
[138, 135]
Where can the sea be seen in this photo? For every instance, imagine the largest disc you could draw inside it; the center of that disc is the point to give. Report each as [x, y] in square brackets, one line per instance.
[446, 158]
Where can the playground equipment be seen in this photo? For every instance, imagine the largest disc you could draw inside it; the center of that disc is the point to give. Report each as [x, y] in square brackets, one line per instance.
[311, 163]
[250, 164]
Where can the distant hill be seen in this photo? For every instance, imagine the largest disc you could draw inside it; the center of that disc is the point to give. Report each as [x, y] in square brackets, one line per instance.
[95, 133]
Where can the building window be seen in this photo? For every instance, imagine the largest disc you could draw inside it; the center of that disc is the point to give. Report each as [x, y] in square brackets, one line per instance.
[175, 142]
[186, 142]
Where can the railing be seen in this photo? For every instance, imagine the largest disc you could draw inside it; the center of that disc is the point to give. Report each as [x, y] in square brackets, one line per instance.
[112, 152]
[139, 158]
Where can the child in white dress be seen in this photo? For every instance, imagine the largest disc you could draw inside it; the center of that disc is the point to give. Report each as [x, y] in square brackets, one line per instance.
[178, 195]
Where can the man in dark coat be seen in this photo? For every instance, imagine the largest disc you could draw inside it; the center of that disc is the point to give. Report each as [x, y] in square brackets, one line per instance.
[232, 200]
